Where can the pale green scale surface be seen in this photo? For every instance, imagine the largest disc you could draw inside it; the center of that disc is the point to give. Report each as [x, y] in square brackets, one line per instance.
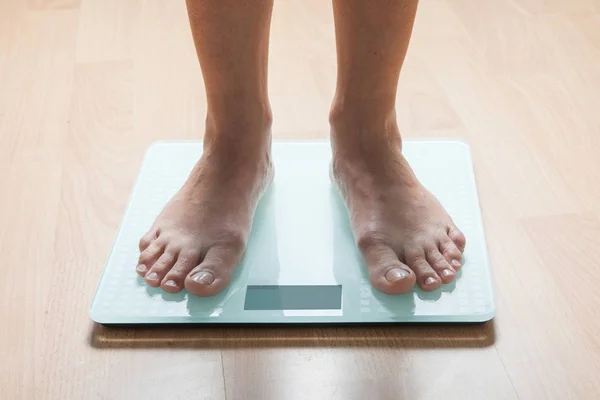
[302, 265]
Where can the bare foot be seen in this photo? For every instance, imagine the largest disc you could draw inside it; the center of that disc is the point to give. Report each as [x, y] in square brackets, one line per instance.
[402, 231]
[200, 236]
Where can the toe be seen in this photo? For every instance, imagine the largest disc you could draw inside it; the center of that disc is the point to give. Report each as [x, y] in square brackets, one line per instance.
[215, 272]
[457, 237]
[427, 278]
[147, 239]
[148, 257]
[386, 273]
[160, 268]
[450, 252]
[174, 280]
[441, 266]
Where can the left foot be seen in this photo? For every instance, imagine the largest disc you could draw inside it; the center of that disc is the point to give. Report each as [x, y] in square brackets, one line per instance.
[401, 229]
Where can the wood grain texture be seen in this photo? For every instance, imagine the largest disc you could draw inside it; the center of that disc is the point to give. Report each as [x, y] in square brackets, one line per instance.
[87, 85]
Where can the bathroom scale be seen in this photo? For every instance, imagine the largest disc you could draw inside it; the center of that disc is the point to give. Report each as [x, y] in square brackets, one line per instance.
[301, 265]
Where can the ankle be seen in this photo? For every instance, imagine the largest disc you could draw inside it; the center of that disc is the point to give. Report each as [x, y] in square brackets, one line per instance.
[248, 114]
[364, 129]
[249, 146]
[246, 127]
[367, 108]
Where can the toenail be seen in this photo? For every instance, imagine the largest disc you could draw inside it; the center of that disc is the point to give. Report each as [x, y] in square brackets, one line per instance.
[205, 278]
[447, 272]
[456, 263]
[430, 281]
[395, 275]
[141, 268]
[152, 276]
[171, 283]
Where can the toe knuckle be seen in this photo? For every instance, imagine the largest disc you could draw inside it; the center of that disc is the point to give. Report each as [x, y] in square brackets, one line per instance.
[165, 259]
[458, 235]
[148, 237]
[435, 257]
[447, 247]
[413, 253]
[144, 257]
[453, 232]
[419, 260]
[458, 238]
[453, 255]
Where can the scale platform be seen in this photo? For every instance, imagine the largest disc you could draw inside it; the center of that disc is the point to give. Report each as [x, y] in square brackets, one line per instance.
[301, 265]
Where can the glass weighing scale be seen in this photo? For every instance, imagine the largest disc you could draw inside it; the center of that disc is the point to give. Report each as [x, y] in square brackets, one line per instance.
[301, 265]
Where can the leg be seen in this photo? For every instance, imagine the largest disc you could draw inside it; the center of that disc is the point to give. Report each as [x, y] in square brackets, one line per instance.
[200, 236]
[404, 234]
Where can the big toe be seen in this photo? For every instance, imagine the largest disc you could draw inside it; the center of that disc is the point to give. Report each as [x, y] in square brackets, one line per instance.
[386, 273]
[393, 278]
[214, 273]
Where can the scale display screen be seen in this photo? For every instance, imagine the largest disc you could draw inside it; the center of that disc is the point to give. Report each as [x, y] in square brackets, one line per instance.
[300, 297]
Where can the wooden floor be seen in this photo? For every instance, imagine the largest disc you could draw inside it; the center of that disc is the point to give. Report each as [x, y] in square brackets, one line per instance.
[87, 85]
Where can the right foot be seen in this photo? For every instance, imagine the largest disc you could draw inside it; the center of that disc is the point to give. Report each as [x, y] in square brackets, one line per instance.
[200, 236]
